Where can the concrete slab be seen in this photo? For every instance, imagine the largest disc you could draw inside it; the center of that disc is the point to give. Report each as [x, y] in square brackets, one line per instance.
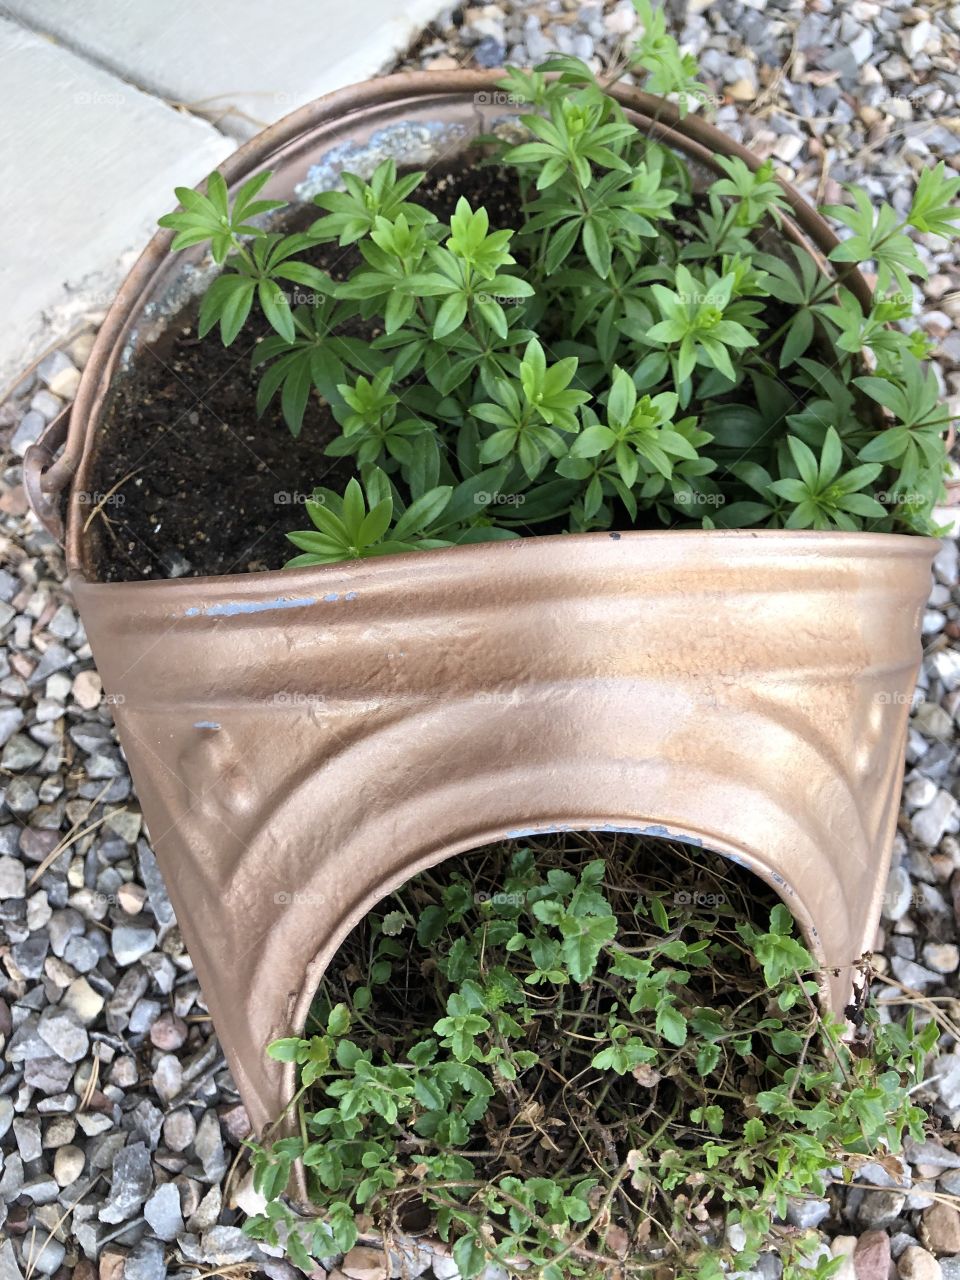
[91, 162]
[237, 62]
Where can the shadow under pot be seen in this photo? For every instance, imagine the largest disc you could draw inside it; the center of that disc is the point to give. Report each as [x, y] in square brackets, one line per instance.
[302, 742]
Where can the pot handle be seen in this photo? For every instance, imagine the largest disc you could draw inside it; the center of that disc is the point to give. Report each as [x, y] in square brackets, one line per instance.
[36, 460]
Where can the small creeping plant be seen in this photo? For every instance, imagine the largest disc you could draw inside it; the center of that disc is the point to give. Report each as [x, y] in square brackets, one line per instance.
[564, 1084]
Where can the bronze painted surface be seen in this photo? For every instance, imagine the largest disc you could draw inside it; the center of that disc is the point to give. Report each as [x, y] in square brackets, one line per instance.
[302, 742]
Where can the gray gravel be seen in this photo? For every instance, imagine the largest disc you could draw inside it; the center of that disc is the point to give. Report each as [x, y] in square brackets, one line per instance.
[119, 1123]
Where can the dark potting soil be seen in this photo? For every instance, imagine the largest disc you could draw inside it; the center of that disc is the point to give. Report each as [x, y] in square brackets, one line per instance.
[198, 483]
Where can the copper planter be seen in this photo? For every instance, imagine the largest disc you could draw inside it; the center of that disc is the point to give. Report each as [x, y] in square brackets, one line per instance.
[302, 742]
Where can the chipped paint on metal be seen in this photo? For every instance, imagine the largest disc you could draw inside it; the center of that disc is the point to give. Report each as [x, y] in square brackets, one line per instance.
[412, 143]
[205, 724]
[654, 829]
[233, 608]
[521, 833]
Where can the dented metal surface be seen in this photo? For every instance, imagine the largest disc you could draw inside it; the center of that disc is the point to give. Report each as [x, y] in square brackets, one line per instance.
[748, 692]
[302, 742]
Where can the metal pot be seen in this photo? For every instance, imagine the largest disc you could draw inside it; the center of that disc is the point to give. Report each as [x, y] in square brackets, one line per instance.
[303, 742]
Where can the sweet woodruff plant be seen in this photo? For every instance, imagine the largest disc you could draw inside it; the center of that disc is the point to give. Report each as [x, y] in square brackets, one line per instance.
[571, 1071]
[630, 353]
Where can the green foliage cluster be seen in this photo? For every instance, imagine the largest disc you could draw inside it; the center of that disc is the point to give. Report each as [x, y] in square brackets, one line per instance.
[630, 353]
[573, 1066]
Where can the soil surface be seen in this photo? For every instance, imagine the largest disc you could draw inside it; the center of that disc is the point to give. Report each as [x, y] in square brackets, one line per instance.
[198, 483]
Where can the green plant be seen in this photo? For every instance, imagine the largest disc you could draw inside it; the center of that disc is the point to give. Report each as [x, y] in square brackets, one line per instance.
[580, 1062]
[535, 372]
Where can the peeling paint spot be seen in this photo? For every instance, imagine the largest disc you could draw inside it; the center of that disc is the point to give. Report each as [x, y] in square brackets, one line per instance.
[205, 724]
[656, 829]
[615, 537]
[351, 595]
[786, 888]
[521, 833]
[331, 597]
[413, 144]
[232, 608]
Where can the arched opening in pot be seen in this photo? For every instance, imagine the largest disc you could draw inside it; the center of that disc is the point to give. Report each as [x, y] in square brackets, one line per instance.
[562, 1037]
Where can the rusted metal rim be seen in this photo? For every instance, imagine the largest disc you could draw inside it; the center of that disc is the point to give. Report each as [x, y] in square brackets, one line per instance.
[37, 463]
[658, 117]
